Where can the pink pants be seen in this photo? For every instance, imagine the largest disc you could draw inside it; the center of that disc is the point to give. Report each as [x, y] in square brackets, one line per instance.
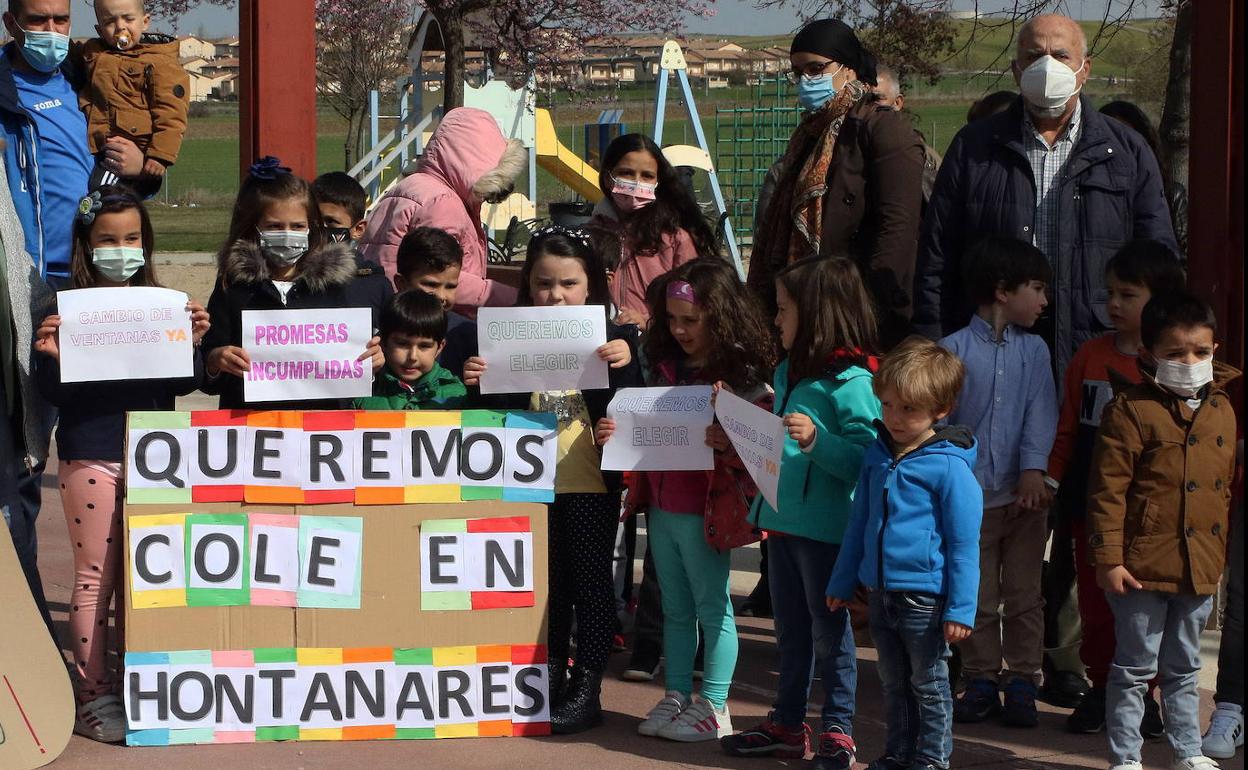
[92, 493]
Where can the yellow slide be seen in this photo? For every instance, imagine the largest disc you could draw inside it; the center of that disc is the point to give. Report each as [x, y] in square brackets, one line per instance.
[565, 165]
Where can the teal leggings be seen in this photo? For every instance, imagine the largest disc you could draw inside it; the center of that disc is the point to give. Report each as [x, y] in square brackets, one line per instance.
[693, 578]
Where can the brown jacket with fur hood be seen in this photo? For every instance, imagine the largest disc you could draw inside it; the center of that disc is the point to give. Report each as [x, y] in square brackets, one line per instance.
[324, 275]
[141, 93]
[1160, 485]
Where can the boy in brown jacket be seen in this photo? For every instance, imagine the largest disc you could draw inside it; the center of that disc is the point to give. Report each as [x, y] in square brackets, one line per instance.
[1158, 498]
[136, 86]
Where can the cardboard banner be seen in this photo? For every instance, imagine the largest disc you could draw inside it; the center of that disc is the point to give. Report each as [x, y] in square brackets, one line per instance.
[124, 333]
[221, 560]
[331, 694]
[542, 348]
[660, 429]
[758, 437]
[476, 564]
[307, 354]
[368, 458]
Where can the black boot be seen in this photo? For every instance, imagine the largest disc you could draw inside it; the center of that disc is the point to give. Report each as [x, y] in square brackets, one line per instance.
[581, 708]
[558, 668]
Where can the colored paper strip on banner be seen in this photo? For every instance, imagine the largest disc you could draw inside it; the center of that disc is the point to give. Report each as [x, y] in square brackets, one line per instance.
[331, 550]
[530, 729]
[500, 524]
[541, 489]
[415, 734]
[528, 654]
[318, 656]
[464, 655]
[466, 730]
[190, 736]
[226, 493]
[320, 734]
[156, 737]
[281, 733]
[480, 418]
[146, 598]
[444, 525]
[496, 729]
[275, 655]
[499, 600]
[275, 556]
[368, 733]
[236, 736]
[493, 653]
[333, 421]
[190, 657]
[413, 656]
[233, 659]
[217, 558]
[158, 420]
[434, 601]
[432, 493]
[218, 418]
[380, 495]
[141, 496]
[274, 495]
[367, 654]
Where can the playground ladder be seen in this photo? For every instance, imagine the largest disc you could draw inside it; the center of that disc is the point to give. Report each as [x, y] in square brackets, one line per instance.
[673, 61]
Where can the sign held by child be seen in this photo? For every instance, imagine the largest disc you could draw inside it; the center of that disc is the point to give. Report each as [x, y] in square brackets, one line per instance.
[306, 354]
[542, 348]
[124, 333]
[758, 437]
[660, 429]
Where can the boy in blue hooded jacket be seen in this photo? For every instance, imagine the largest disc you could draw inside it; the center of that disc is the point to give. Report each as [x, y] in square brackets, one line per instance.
[913, 542]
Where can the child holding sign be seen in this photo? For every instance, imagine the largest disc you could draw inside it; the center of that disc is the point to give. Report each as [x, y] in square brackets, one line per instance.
[274, 257]
[413, 334]
[112, 247]
[705, 328]
[654, 217]
[562, 268]
[823, 391]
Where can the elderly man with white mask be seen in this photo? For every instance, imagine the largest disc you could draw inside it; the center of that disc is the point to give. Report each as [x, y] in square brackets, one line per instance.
[1050, 171]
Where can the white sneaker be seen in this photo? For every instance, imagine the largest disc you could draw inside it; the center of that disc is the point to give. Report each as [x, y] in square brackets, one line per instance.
[665, 711]
[1129, 765]
[103, 719]
[1194, 763]
[700, 721]
[1226, 731]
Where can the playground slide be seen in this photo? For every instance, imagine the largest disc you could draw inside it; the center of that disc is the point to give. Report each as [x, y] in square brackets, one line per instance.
[565, 165]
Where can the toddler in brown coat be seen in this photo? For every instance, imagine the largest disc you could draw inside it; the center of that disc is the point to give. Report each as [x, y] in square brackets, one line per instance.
[136, 86]
[1158, 499]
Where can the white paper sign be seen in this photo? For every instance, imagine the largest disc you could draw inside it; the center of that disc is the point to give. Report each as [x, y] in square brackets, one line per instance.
[542, 348]
[660, 429]
[758, 437]
[307, 354]
[124, 333]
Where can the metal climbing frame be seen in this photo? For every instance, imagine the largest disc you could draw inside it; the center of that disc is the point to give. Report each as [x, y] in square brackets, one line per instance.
[748, 140]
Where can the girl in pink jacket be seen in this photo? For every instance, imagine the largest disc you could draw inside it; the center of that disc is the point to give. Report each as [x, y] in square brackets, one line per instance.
[467, 162]
[654, 218]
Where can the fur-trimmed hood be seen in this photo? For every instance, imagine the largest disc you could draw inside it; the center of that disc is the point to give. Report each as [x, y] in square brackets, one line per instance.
[333, 264]
[470, 153]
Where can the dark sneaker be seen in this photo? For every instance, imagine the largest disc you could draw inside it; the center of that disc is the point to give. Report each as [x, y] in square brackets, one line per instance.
[1151, 725]
[643, 666]
[1089, 716]
[835, 751]
[978, 702]
[770, 739]
[1063, 689]
[1020, 704]
[888, 763]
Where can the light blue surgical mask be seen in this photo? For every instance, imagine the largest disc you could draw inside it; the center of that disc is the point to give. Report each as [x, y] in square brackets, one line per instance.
[118, 263]
[43, 50]
[813, 93]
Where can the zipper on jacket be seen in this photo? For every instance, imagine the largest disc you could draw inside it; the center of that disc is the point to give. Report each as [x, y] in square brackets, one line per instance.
[34, 152]
[879, 564]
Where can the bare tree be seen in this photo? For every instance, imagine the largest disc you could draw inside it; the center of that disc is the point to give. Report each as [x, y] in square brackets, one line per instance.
[361, 47]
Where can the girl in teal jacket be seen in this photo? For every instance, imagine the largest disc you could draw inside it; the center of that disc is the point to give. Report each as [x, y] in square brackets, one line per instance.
[823, 392]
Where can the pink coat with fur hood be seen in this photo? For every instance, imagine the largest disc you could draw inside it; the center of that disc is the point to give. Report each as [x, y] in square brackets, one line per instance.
[466, 161]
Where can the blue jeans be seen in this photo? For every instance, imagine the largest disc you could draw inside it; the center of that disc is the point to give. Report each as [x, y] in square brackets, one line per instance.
[798, 570]
[19, 503]
[908, 630]
[1158, 636]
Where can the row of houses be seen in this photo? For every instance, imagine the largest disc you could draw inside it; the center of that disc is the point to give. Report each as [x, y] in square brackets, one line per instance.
[212, 65]
[632, 60]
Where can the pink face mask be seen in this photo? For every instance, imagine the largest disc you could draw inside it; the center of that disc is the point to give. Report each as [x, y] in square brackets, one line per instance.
[630, 195]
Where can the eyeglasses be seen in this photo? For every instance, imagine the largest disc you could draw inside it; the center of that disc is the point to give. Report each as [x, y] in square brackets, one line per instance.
[812, 70]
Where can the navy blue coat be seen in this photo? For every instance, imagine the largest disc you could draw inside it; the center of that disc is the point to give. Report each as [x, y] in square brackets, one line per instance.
[1111, 193]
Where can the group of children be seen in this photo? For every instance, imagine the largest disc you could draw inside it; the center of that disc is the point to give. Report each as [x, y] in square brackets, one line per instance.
[918, 477]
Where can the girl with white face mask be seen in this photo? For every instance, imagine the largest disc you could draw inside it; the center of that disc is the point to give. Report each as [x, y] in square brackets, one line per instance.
[112, 248]
[274, 257]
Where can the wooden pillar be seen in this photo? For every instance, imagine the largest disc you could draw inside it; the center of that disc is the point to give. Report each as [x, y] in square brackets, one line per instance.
[277, 89]
[1216, 167]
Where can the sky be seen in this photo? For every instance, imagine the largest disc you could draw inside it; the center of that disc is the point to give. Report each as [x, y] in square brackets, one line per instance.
[731, 17]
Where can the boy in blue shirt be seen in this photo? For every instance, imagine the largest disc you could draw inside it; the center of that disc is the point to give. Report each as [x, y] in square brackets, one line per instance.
[1009, 400]
[913, 542]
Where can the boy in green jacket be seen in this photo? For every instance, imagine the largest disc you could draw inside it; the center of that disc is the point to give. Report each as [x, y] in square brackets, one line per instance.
[413, 333]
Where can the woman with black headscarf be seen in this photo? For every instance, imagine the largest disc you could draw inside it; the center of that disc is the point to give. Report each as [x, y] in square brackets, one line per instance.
[850, 182]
